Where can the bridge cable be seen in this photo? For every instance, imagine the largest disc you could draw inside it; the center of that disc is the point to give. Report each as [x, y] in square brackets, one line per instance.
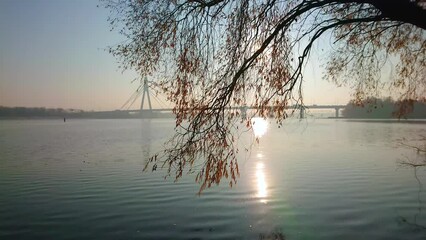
[132, 97]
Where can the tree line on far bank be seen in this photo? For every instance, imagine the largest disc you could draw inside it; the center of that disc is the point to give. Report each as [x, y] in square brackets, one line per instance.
[36, 112]
[385, 108]
[41, 112]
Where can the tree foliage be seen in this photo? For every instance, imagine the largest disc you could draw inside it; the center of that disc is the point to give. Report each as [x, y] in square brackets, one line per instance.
[385, 108]
[223, 53]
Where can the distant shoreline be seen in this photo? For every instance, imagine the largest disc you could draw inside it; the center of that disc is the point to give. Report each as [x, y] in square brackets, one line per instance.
[371, 120]
[390, 120]
[88, 118]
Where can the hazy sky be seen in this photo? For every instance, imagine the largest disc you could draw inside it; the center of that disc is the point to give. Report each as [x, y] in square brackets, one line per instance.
[53, 54]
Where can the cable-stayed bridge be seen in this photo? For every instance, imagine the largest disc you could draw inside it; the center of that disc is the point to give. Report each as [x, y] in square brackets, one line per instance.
[165, 111]
[146, 113]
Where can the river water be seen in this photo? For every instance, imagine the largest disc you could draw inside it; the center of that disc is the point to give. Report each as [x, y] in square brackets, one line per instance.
[310, 179]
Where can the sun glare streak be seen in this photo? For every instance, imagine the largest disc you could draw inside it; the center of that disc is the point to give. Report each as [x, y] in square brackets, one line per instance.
[260, 126]
[261, 182]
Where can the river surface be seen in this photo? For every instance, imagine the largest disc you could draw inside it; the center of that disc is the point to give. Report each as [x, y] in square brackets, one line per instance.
[310, 179]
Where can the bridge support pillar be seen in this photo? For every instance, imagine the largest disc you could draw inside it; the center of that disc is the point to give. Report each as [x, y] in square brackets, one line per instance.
[243, 110]
[337, 112]
[146, 113]
[302, 113]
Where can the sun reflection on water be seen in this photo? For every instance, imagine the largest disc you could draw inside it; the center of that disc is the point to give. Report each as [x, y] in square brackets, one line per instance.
[261, 182]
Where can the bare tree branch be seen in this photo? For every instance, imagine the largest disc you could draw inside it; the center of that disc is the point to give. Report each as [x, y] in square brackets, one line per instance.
[224, 53]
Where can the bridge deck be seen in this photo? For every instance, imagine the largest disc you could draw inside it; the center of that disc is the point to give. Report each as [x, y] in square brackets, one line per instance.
[335, 107]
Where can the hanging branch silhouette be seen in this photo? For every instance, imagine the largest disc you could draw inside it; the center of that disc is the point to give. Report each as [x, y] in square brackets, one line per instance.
[222, 53]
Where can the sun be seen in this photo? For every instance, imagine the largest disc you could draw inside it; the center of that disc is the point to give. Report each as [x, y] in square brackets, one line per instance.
[260, 126]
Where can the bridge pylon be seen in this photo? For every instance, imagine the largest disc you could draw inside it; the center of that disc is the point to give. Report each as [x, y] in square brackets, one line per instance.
[145, 92]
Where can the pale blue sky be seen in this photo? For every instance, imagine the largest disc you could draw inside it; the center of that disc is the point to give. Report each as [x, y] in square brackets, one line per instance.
[52, 54]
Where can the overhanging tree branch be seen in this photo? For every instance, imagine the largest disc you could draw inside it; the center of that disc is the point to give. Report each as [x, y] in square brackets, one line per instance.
[223, 53]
